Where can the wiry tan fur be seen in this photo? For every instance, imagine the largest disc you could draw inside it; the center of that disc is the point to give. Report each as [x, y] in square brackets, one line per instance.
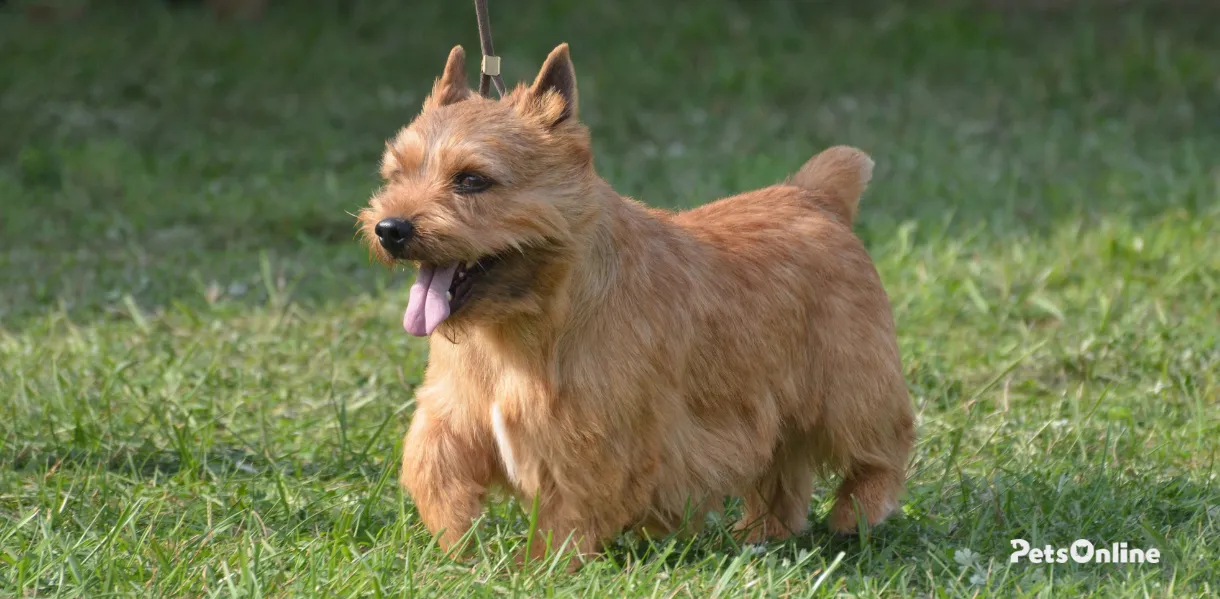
[628, 366]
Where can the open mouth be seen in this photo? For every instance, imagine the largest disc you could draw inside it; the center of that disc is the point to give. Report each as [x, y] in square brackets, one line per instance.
[464, 279]
[441, 290]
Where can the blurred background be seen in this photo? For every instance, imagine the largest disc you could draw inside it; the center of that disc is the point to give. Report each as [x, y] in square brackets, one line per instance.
[154, 150]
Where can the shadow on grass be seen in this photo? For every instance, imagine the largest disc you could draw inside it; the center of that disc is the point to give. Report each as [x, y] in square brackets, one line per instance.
[1040, 507]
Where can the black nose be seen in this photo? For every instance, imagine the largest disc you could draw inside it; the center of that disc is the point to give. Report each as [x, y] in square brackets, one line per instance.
[394, 233]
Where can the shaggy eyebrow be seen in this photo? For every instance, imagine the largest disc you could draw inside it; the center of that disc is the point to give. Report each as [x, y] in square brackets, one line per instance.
[453, 159]
[407, 156]
[442, 154]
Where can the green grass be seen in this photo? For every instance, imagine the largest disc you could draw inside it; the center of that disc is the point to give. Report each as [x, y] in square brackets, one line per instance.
[203, 380]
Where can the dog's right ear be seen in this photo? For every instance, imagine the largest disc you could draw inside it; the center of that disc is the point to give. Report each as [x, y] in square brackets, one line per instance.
[451, 86]
[553, 93]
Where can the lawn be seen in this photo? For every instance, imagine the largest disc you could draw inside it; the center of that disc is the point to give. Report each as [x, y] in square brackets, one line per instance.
[204, 381]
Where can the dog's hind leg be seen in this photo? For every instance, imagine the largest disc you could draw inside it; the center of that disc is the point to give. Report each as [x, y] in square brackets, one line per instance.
[872, 448]
[867, 428]
[778, 505]
[868, 494]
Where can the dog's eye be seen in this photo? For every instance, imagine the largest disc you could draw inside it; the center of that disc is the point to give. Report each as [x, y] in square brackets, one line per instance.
[470, 183]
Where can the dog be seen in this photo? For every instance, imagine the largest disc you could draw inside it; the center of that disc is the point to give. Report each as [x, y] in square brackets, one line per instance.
[623, 367]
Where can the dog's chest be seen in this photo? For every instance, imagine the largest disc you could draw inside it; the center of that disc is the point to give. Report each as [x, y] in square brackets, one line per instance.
[497, 400]
[504, 443]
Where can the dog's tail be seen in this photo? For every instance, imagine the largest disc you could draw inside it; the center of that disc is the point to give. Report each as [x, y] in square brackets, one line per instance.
[836, 177]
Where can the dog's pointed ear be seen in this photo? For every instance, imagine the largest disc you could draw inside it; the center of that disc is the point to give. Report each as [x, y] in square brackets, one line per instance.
[451, 86]
[554, 89]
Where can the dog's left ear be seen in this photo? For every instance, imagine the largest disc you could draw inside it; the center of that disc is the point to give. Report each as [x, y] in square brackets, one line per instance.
[451, 86]
[554, 89]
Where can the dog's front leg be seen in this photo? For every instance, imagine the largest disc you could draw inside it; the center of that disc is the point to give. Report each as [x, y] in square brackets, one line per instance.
[584, 506]
[561, 530]
[447, 474]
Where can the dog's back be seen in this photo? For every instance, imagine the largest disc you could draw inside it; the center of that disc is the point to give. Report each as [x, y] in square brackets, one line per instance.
[797, 360]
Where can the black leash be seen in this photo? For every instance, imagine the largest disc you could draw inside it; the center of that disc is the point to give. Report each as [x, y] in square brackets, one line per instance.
[491, 63]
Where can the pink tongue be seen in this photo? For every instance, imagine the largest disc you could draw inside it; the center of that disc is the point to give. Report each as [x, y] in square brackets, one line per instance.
[429, 303]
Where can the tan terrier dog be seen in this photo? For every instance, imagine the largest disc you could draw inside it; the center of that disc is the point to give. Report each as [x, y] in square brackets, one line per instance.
[625, 366]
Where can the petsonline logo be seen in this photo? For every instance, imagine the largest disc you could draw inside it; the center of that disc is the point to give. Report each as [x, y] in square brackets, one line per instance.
[1082, 551]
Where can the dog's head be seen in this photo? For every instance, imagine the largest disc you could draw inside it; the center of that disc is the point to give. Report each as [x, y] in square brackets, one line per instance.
[482, 194]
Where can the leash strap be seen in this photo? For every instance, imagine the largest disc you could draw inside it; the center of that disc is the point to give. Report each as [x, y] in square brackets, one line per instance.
[490, 66]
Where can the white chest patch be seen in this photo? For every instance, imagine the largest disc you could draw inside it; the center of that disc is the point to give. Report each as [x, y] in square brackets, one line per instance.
[503, 442]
